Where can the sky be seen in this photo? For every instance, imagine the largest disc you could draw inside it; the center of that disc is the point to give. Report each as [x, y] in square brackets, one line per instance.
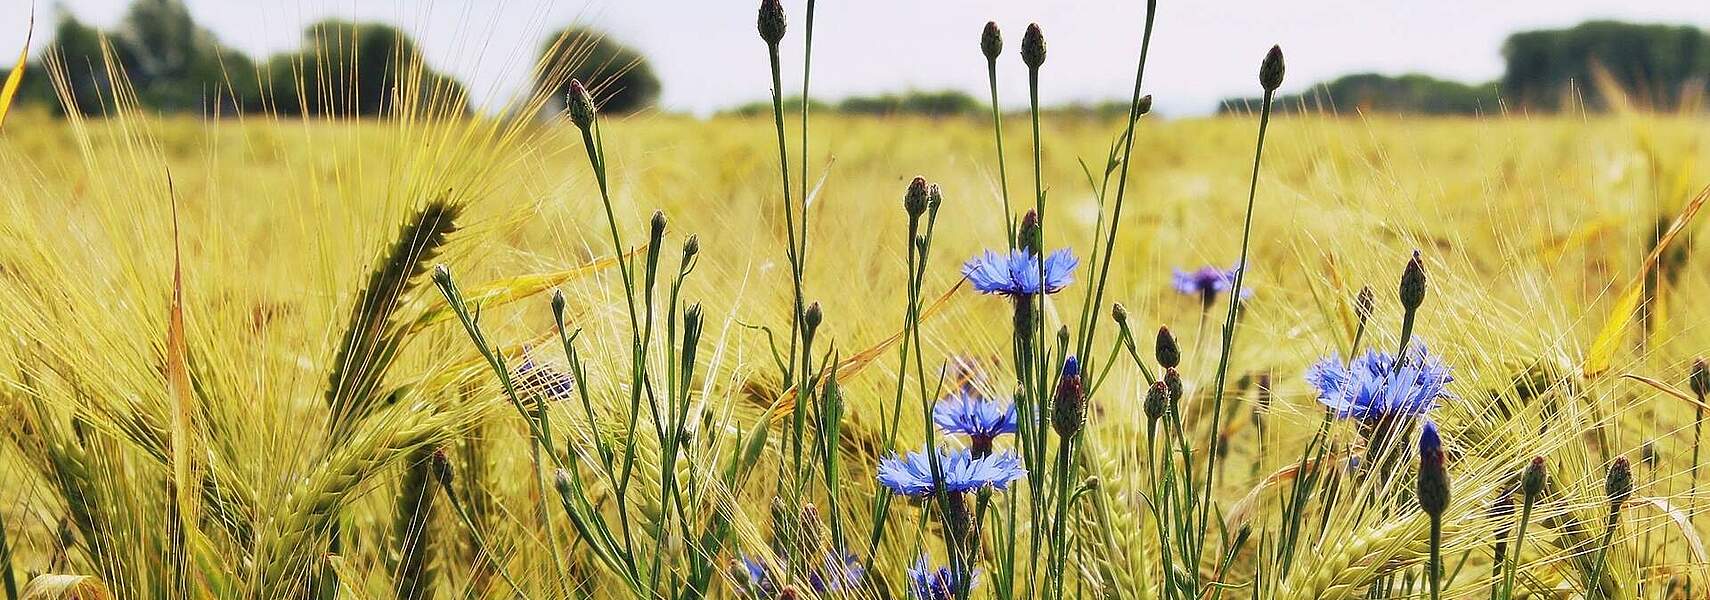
[708, 56]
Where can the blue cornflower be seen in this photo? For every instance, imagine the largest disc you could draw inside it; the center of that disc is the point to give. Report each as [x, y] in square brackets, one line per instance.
[911, 475]
[838, 573]
[1207, 282]
[926, 582]
[1018, 273]
[533, 378]
[1371, 388]
[970, 415]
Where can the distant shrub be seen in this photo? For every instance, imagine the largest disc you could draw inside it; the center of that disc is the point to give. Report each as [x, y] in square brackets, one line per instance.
[1372, 92]
[619, 76]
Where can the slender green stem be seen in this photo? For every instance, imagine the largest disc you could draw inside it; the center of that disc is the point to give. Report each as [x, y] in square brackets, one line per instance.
[1514, 555]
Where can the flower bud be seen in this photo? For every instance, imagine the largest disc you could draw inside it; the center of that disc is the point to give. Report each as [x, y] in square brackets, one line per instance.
[771, 22]
[442, 275]
[1271, 71]
[1119, 313]
[914, 200]
[561, 480]
[1069, 413]
[1169, 354]
[934, 198]
[1532, 481]
[1364, 304]
[1619, 485]
[581, 105]
[1413, 283]
[1156, 399]
[1028, 236]
[811, 319]
[1033, 47]
[656, 229]
[1144, 106]
[1700, 382]
[1173, 382]
[991, 41]
[441, 467]
[691, 247]
[1433, 475]
[558, 303]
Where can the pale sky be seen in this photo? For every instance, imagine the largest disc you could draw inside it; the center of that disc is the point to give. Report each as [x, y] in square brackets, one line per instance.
[709, 57]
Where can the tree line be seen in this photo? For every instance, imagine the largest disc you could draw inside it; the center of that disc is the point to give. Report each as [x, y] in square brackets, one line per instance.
[1661, 67]
[342, 68]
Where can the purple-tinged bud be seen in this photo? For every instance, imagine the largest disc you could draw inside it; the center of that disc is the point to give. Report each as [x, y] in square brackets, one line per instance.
[1168, 352]
[771, 22]
[1271, 71]
[1069, 412]
[1156, 399]
[1532, 481]
[991, 41]
[1173, 381]
[1413, 283]
[1027, 235]
[1433, 474]
[440, 467]
[1619, 485]
[1033, 47]
[914, 200]
[580, 105]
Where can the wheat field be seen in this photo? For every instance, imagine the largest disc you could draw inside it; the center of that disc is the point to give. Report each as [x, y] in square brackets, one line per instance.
[233, 369]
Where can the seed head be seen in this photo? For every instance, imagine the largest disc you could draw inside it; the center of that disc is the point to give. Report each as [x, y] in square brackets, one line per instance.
[1156, 399]
[1364, 304]
[771, 22]
[991, 41]
[1033, 47]
[1271, 71]
[1069, 413]
[1413, 283]
[1700, 383]
[1532, 481]
[1433, 475]
[581, 105]
[1619, 485]
[1169, 354]
[914, 200]
[1028, 234]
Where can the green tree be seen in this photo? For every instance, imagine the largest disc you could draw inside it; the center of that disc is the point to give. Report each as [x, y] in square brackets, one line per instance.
[619, 76]
[358, 69]
[1656, 64]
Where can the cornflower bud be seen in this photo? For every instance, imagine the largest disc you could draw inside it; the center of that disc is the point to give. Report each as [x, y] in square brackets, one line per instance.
[914, 200]
[1271, 71]
[580, 104]
[1156, 399]
[1033, 47]
[1168, 352]
[1433, 475]
[1069, 413]
[771, 21]
[1413, 283]
[991, 41]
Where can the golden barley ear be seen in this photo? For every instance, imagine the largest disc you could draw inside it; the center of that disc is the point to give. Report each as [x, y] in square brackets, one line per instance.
[16, 77]
[373, 337]
[65, 587]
